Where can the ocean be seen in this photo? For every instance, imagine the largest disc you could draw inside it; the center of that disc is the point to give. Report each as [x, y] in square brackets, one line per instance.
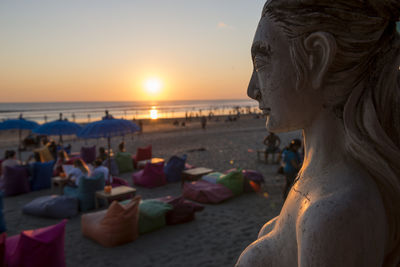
[91, 111]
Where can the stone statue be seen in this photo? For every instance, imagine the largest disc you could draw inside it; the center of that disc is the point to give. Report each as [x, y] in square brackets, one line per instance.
[331, 68]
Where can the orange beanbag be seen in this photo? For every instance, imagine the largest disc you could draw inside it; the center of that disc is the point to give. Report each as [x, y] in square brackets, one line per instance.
[115, 226]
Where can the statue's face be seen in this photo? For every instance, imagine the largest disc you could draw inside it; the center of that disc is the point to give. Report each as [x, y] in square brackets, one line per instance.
[273, 83]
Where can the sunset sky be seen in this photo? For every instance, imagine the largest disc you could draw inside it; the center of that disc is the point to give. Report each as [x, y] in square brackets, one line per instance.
[125, 50]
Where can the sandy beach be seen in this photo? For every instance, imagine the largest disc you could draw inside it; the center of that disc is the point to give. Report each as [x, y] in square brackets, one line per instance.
[219, 233]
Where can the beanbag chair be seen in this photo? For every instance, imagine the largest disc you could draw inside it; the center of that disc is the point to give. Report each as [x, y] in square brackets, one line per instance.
[124, 162]
[15, 180]
[37, 248]
[2, 221]
[233, 181]
[142, 153]
[206, 192]
[152, 215]
[116, 181]
[3, 249]
[183, 210]
[151, 176]
[86, 190]
[42, 173]
[212, 177]
[115, 226]
[252, 181]
[173, 169]
[53, 207]
[88, 154]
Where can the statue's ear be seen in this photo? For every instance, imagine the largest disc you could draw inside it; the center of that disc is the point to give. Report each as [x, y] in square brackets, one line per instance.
[321, 50]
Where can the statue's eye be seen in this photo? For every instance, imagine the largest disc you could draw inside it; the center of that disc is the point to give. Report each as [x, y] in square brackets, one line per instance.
[259, 62]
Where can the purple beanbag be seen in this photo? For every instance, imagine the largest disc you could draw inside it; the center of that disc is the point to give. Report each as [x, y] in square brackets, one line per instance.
[37, 248]
[206, 192]
[183, 210]
[151, 176]
[16, 180]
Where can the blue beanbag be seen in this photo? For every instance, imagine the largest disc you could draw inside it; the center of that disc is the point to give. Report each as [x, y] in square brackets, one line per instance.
[173, 169]
[53, 206]
[86, 191]
[42, 173]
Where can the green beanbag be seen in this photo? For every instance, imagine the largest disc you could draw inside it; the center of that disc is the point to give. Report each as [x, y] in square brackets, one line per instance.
[124, 162]
[152, 215]
[234, 181]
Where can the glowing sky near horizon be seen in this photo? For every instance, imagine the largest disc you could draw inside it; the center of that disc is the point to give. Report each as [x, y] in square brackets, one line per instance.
[106, 50]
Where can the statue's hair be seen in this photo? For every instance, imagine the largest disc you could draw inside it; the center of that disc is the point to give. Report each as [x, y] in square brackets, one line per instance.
[368, 54]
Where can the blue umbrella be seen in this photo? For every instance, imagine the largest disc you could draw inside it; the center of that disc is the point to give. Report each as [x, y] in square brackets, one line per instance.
[20, 124]
[106, 128]
[58, 127]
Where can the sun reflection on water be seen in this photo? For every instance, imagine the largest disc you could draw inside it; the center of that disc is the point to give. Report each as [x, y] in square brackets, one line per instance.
[154, 113]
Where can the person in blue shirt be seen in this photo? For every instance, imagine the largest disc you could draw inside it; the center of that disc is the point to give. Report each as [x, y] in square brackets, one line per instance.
[291, 164]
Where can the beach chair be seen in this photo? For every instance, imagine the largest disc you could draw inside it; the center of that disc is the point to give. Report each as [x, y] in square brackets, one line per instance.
[88, 154]
[53, 206]
[115, 226]
[42, 173]
[173, 169]
[86, 190]
[15, 180]
[152, 215]
[37, 248]
[183, 210]
[205, 192]
[124, 162]
[151, 176]
[233, 181]
[142, 153]
[3, 237]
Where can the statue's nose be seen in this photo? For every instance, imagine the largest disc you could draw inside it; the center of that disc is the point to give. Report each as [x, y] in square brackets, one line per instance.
[253, 91]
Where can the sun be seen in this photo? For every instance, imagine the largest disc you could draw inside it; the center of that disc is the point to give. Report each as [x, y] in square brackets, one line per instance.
[153, 85]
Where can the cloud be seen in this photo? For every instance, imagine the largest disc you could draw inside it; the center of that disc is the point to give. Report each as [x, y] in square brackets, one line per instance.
[223, 26]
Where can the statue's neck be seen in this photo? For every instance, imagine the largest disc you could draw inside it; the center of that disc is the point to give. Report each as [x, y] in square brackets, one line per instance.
[324, 144]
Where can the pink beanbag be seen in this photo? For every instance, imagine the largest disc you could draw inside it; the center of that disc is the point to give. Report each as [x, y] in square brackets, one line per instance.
[206, 192]
[37, 248]
[151, 176]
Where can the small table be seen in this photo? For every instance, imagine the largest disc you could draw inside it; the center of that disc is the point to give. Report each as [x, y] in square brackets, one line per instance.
[194, 174]
[143, 163]
[116, 193]
[59, 182]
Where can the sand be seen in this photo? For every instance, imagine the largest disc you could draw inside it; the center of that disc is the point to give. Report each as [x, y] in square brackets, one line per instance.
[219, 233]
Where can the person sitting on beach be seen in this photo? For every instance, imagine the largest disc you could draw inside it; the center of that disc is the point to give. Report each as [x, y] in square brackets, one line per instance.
[121, 147]
[62, 158]
[80, 169]
[292, 164]
[102, 154]
[272, 142]
[100, 169]
[10, 160]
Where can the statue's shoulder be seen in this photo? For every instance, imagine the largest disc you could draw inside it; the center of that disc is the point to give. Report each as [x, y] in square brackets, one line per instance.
[348, 217]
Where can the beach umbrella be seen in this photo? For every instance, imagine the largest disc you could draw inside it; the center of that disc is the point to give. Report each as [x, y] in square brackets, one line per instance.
[108, 127]
[58, 127]
[20, 124]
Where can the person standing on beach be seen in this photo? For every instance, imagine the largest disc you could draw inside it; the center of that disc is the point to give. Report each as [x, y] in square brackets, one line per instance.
[291, 164]
[272, 143]
[203, 122]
